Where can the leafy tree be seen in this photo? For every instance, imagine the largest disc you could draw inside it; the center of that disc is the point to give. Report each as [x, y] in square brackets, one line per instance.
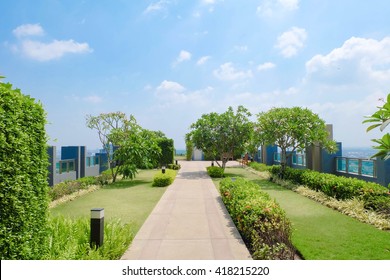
[292, 129]
[222, 135]
[189, 146]
[254, 142]
[381, 119]
[126, 143]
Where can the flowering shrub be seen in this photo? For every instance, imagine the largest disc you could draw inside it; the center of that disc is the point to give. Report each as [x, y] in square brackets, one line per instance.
[261, 222]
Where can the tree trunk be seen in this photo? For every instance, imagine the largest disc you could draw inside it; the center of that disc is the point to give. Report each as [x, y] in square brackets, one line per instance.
[283, 163]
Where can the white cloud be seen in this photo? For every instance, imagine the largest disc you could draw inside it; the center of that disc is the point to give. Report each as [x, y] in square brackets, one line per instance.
[266, 66]
[357, 60]
[170, 86]
[43, 51]
[291, 41]
[183, 56]
[203, 60]
[227, 72]
[156, 6]
[28, 30]
[276, 8]
[48, 51]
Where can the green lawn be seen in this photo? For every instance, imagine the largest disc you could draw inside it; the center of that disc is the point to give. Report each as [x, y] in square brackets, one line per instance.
[320, 233]
[131, 201]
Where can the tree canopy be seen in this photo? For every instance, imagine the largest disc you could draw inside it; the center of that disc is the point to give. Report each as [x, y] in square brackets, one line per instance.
[381, 119]
[292, 129]
[220, 136]
[126, 143]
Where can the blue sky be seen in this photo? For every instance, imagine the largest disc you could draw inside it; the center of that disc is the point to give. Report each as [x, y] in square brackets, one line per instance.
[167, 62]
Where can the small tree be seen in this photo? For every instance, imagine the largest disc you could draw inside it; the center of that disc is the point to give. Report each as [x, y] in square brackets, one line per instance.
[126, 143]
[292, 129]
[222, 135]
[381, 119]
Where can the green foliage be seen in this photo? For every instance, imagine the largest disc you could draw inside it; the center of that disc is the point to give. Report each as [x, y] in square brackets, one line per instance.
[220, 136]
[292, 129]
[375, 196]
[215, 171]
[164, 179]
[104, 178]
[68, 187]
[23, 176]
[69, 240]
[258, 166]
[174, 166]
[381, 119]
[260, 220]
[127, 144]
[167, 151]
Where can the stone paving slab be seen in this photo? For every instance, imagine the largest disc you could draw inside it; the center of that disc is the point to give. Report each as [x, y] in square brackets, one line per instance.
[190, 222]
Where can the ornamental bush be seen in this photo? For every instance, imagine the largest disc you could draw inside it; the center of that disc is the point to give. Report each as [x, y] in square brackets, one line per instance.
[23, 176]
[164, 179]
[215, 171]
[261, 222]
[374, 196]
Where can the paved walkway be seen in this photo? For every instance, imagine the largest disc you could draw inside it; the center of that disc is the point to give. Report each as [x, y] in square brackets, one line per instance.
[189, 222]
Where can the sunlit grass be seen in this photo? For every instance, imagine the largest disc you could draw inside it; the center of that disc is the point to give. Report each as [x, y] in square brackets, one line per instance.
[320, 232]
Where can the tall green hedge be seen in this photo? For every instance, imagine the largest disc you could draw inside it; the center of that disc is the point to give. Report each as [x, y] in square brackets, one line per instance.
[23, 176]
[167, 151]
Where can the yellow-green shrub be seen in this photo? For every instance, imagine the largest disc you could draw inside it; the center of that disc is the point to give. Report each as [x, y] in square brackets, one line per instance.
[164, 179]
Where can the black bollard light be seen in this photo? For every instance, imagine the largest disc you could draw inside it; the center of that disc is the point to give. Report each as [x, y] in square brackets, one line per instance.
[176, 162]
[212, 163]
[97, 227]
[163, 170]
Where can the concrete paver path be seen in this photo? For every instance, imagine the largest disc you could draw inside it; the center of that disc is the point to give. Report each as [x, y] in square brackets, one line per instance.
[190, 222]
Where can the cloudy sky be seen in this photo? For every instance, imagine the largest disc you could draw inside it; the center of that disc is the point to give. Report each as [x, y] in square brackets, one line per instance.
[167, 62]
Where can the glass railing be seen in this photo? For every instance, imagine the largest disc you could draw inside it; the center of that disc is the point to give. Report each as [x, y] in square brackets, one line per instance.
[357, 166]
[91, 161]
[65, 166]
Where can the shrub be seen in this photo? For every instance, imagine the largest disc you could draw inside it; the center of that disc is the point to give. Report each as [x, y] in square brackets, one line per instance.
[68, 187]
[260, 220]
[258, 166]
[174, 166]
[215, 171]
[164, 179]
[23, 176]
[375, 196]
[104, 178]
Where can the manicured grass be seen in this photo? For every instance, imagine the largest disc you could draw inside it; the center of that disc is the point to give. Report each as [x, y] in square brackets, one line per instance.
[321, 233]
[130, 201]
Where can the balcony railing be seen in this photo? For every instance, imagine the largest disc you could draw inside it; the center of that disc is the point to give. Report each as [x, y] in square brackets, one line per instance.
[65, 166]
[356, 166]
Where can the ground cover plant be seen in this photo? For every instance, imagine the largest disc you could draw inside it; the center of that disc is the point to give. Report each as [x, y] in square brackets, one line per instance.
[126, 203]
[215, 171]
[69, 240]
[321, 233]
[261, 222]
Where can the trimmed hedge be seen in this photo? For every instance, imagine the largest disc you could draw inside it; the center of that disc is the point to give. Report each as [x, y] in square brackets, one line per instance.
[23, 176]
[376, 197]
[261, 222]
[174, 166]
[167, 151]
[258, 166]
[164, 179]
[215, 171]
